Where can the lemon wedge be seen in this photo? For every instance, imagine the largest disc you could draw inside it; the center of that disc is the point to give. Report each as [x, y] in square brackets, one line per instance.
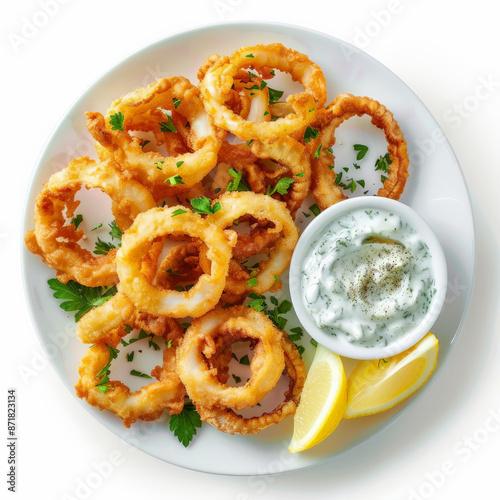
[322, 403]
[377, 385]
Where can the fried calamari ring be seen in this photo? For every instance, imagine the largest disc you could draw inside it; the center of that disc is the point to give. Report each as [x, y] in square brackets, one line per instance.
[57, 239]
[198, 345]
[159, 222]
[162, 175]
[324, 189]
[219, 77]
[237, 204]
[226, 420]
[150, 401]
[294, 157]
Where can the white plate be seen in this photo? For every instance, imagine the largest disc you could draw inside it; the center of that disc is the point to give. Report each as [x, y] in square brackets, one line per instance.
[436, 190]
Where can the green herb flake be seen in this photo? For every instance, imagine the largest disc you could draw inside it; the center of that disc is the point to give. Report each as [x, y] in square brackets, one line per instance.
[236, 184]
[310, 133]
[274, 95]
[136, 373]
[179, 164]
[281, 186]
[176, 102]
[76, 221]
[244, 360]
[167, 126]
[179, 211]
[251, 56]
[318, 151]
[361, 149]
[252, 282]
[202, 205]
[175, 179]
[117, 121]
[314, 209]
[130, 356]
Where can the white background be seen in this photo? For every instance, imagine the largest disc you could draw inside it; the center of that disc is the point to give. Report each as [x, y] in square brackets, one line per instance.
[447, 446]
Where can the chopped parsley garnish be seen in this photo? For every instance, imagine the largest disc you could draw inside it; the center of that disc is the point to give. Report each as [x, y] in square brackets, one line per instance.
[266, 113]
[139, 374]
[104, 373]
[130, 356]
[297, 334]
[78, 297]
[250, 55]
[185, 423]
[202, 205]
[281, 186]
[274, 95]
[383, 163]
[76, 221]
[175, 179]
[318, 151]
[179, 211]
[97, 227]
[167, 126]
[252, 282]
[310, 133]
[236, 378]
[314, 209]
[244, 360]
[142, 335]
[176, 102]
[116, 121]
[179, 164]
[236, 184]
[362, 150]
[103, 247]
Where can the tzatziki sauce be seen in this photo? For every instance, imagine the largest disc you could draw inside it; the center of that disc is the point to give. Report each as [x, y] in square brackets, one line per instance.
[368, 278]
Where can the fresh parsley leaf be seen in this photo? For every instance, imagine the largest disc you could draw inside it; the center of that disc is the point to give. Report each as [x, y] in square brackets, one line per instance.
[274, 95]
[250, 55]
[76, 221]
[103, 247]
[175, 179]
[338, 179]
[176, 102]
[318, 151]
[362, 150]
[236, 378]
[361, 182]
[97, 227]
[130, 356]
[203, 205]
[179, 164]
[185, 423]
[281, 186]
[139, 374]
[236, 184]
[78, 297]
[104, 373]
[167, 126]
[116, 121]
[116, 232]
[310, 133]
[179, 211]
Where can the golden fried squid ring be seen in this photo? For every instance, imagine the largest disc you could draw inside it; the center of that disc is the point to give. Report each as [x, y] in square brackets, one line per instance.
[226, 420]
[198, 345]
[219, 77]
[159, 222]
[56, 240]
[260, 206]
[295, 158]
[150, 401]
[324, 189]
[162, 175]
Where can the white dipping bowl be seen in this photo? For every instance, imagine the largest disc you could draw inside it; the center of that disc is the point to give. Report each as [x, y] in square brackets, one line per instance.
[338, 344]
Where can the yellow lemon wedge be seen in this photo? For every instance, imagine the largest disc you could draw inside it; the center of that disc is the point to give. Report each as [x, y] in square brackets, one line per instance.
[322, 403]
[377, 385]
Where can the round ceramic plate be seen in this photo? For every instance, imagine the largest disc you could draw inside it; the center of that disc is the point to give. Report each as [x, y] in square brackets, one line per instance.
[436, 190]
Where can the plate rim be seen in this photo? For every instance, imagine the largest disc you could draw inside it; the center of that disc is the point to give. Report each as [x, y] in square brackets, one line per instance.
[252, 24]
